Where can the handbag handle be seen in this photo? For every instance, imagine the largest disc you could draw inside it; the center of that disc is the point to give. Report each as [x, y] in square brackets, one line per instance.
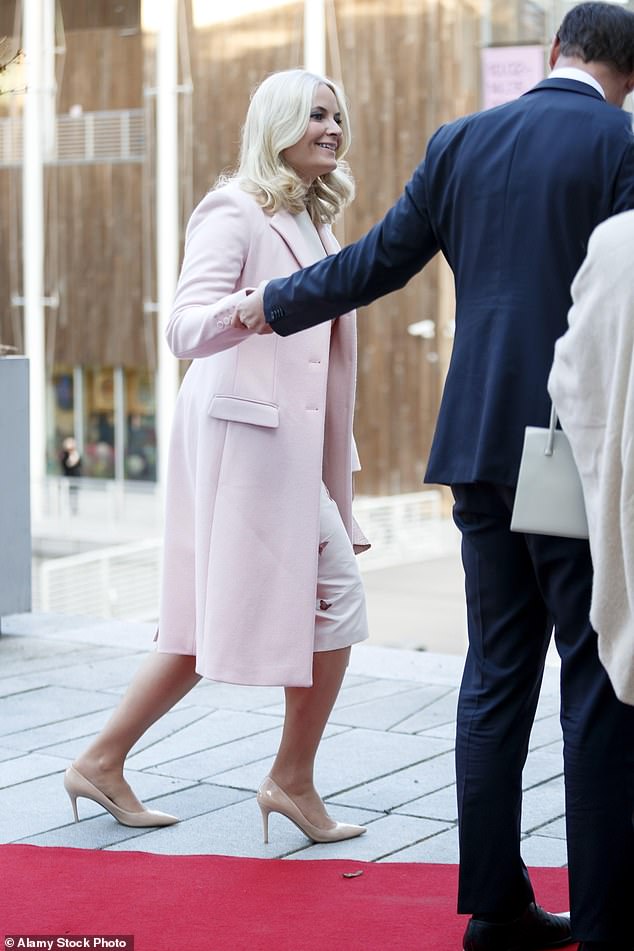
[548, 451]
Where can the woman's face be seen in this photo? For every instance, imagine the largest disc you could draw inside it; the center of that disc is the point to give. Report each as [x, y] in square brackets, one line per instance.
[315, 153]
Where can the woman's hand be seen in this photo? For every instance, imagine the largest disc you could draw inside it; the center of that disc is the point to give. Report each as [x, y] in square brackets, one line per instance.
[249, 313]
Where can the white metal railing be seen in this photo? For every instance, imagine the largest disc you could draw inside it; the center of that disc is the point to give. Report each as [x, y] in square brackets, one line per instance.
[123, 580]
[403, 528]
[106, 136]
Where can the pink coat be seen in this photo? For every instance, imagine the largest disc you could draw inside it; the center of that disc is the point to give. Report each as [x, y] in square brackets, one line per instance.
[259, 421]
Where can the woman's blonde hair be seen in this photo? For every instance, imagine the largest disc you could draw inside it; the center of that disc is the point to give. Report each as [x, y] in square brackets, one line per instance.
[277, 118]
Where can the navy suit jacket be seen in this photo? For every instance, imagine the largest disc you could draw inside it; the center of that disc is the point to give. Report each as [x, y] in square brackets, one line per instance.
[510, 196]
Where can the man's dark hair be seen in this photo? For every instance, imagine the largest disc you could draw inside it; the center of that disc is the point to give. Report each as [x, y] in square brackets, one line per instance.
[600, 33]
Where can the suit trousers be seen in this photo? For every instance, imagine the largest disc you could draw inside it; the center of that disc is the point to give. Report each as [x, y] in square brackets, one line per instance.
[520, 588]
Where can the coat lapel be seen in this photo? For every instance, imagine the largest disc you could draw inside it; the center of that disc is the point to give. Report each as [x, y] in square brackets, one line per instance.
[286, 226]
[328, 239]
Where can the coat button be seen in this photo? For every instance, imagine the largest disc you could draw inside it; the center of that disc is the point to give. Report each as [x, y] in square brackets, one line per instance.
[226, 321]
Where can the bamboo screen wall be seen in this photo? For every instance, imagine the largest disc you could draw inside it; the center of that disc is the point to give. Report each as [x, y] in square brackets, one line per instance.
[93, 210]
[406, 65]
[98, 227]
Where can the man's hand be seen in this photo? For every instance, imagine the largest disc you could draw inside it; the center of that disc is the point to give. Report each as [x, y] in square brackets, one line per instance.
[249, 314]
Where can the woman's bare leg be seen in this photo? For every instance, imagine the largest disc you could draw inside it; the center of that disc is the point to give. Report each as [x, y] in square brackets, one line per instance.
[162, 681]
[307, 712]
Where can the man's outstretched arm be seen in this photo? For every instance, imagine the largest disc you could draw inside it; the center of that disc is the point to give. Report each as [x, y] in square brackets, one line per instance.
[382, 261]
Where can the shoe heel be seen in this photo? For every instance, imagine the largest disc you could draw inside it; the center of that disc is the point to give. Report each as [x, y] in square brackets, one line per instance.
[73, 802]
[265, 822]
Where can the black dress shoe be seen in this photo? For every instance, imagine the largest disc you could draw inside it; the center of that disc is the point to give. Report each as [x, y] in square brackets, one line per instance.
[606, 945]
[534, 930]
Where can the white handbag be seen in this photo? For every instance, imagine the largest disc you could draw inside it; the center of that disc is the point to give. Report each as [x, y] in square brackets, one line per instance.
[549, 497]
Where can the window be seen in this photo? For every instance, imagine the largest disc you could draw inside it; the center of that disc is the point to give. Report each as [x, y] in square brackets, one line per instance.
[140, 436]
[99, 422]
[61, 415]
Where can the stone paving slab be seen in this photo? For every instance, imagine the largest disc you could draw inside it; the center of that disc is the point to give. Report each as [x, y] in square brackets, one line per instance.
[68, 737]
[206, 764]
[102, 830]
[236, 697]
[392, 712]
[34, 708]
[555, 829]
[41, 804]
[46, 677]
[542, 765]
[439, 849]
[131, 635]
[25, 767]
[539, 850]
[387, 759]
[350, 759]
[385, 838]
[541, 804]
[548, 705]
[441, 711]
[215, 728]
[429, 598]
[386, 663]
[235, 830]
[440, 805]
[265, 700]
[444, 730]
[98, 673]
[49, 734]
[33, 656]
[402, 786]
[350, 696]
[546, 732]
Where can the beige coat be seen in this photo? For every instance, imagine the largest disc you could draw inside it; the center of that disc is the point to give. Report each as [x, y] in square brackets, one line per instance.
[259, 421]
[592, 385]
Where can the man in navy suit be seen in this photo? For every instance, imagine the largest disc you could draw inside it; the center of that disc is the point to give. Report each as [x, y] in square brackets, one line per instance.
[510, 196]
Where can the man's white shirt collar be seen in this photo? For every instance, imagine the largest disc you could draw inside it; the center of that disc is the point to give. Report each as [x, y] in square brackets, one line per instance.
[571, 72]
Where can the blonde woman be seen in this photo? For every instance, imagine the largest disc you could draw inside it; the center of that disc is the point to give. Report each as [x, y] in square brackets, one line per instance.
[260, 583]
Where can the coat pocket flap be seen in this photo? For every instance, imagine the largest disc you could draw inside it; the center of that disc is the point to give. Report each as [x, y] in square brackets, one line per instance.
[235, 409]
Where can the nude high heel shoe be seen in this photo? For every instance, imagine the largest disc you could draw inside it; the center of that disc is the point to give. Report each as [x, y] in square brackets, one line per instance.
[77, 786]
[271, 798]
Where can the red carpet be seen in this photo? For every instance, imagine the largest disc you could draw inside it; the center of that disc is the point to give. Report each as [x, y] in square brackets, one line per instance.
[215, 903]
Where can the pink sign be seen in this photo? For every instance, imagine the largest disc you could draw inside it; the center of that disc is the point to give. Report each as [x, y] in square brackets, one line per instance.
[508, 71]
